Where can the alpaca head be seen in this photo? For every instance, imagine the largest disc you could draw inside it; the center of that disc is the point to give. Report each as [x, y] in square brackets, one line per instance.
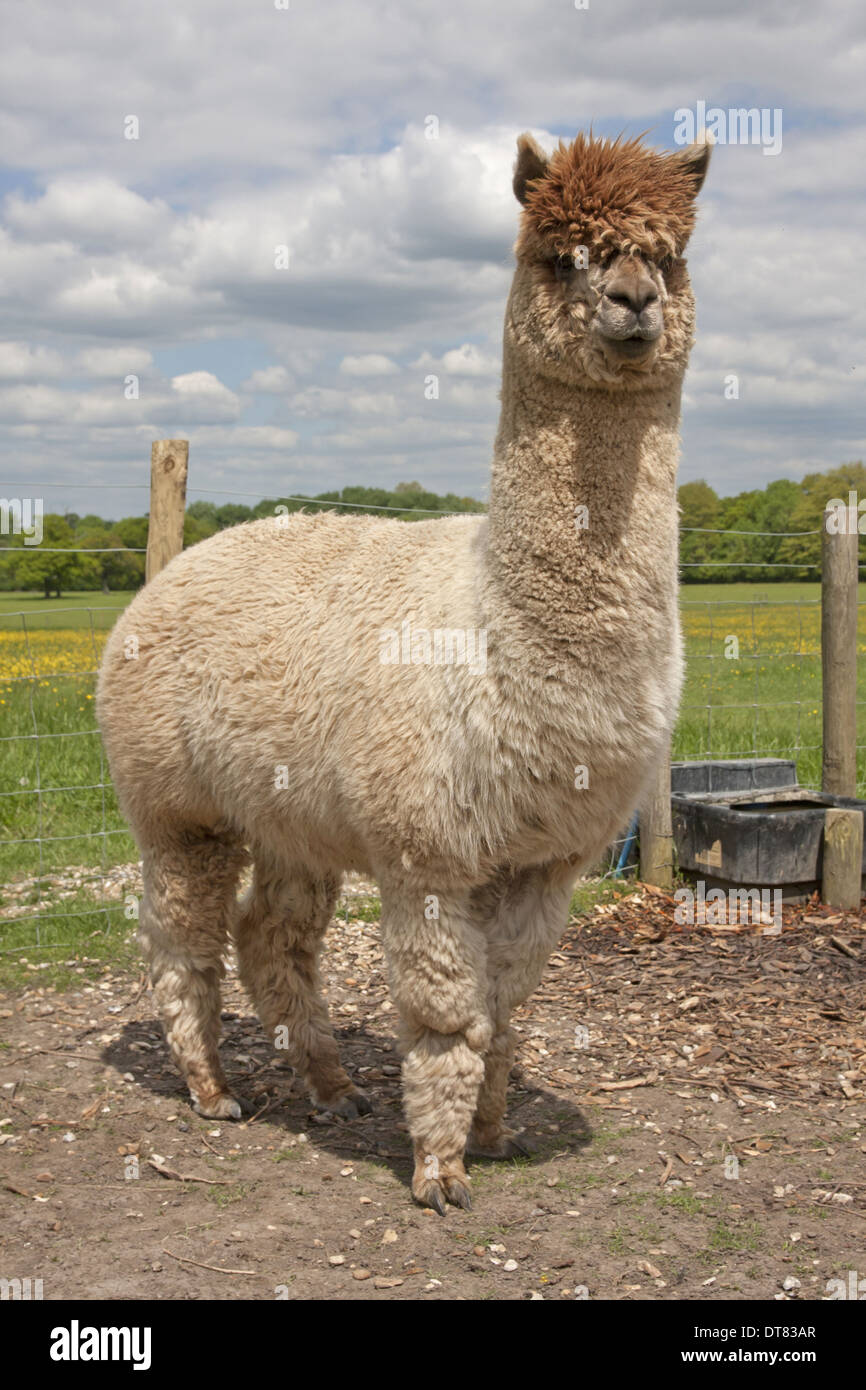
[601, 293]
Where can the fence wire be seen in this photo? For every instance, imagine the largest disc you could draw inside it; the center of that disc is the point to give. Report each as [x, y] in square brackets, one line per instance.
[100, 880]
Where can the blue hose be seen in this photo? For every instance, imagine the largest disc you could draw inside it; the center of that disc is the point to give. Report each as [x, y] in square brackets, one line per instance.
[627, 847]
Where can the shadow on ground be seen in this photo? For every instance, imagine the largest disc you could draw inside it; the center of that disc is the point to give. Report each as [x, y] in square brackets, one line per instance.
[274, 1092]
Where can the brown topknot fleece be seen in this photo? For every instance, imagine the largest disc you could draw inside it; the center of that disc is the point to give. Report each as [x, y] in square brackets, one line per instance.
[608, 195]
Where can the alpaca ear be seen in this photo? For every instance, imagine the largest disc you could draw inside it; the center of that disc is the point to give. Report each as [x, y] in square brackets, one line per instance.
[695, 159]
[531, 164]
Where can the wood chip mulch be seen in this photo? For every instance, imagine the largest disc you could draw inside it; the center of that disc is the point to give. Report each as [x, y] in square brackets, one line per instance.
[758, 1015]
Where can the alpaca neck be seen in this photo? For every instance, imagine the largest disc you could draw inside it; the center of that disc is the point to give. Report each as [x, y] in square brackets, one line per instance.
[575, 577]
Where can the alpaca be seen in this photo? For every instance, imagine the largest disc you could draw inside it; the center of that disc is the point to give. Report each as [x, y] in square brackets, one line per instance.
[274, 693]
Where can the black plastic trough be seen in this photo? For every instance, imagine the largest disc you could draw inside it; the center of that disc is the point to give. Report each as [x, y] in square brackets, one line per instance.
[749, 823]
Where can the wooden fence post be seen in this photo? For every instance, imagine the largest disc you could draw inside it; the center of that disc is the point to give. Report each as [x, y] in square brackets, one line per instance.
[839, 577]
[656, 830]
[843, 829]
[843, 858]
[169, 459]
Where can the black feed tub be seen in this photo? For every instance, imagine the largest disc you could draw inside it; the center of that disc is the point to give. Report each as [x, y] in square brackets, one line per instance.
[749, 823]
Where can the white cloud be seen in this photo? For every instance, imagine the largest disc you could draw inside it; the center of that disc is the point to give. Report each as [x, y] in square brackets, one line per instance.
[22, 362]
[315, 402]
[118, 251]
[196, 397]
[34, 403]
[245, 437]
[113, 361]
[92, 210]
[466, 360]
[478, 65]
[204, 398]
[200, 384]
[372, 403]
[268, 381]
[368, 364]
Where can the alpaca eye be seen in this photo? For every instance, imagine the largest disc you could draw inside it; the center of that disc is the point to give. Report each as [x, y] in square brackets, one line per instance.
[563, 266]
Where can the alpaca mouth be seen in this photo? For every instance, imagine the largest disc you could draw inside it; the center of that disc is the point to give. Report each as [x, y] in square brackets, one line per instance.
[635, 346]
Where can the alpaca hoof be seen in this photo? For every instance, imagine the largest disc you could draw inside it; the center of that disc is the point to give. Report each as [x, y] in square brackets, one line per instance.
[435, 1192]
[434, 1198]
[363, 1103]
[349, 1107]
[505, 1145]
[458, 1194]
[222, 1107]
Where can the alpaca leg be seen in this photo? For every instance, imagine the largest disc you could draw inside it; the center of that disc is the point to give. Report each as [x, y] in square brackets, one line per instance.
[522, 915]
[436, 966]
[279, 936]
[489, 1136]
[189, 888]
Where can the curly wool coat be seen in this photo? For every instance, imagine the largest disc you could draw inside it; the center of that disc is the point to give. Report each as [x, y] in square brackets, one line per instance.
[250, 700]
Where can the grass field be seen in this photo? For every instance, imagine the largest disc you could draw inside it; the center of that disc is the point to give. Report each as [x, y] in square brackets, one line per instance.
[753, 687]
[49, 650]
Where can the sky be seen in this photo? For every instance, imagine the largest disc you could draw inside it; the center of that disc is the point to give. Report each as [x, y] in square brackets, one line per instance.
[262, 226]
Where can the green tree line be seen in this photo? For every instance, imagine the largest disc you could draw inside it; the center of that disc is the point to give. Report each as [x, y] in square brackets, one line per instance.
[119, 567]
[781, 507]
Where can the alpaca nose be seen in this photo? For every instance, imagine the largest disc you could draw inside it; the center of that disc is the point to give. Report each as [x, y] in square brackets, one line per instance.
[630, 317]
[632, 293]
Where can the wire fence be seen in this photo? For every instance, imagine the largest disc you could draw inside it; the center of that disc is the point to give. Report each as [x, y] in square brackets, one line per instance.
[68, 864]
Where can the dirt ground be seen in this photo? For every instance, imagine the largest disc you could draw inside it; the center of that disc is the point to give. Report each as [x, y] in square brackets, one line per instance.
[693, 1096]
